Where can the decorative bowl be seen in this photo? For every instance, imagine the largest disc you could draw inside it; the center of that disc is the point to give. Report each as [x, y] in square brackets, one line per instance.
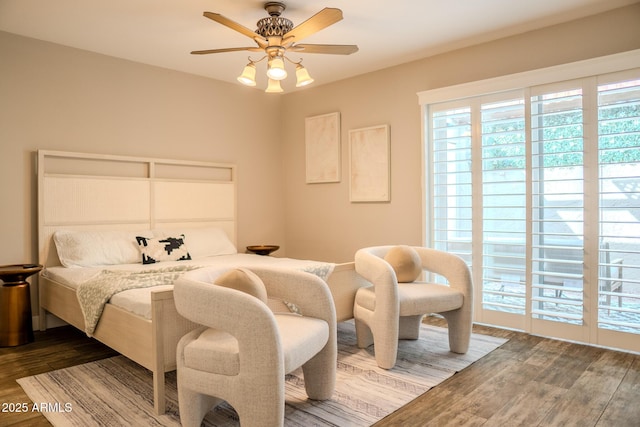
[262, 249]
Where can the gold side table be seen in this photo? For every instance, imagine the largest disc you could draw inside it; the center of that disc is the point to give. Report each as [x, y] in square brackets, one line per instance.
[15, 304]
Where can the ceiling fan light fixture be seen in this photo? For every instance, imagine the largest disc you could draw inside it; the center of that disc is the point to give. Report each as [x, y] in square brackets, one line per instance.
[277, 35]
[248, 76]
[302, 76]
[274, 86]
[276, 69]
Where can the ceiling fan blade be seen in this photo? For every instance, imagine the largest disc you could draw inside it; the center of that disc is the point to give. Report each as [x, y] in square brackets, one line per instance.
[235, 26]
[317, 22]
[228, 49]
[334, 49]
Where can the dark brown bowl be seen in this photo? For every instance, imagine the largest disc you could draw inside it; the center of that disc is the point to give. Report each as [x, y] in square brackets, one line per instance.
[262, 249]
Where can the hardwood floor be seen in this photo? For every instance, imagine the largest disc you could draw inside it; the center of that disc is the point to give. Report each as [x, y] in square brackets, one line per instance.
[532, 381]
[56, 348]
[529, 381]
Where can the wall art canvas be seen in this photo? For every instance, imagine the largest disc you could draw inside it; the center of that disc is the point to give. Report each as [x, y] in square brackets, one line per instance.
[369, 172]
[322, 143]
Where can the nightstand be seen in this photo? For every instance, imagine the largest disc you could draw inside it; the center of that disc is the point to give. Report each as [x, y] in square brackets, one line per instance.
[15, 304]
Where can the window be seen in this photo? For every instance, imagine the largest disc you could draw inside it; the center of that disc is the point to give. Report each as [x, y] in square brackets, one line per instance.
[538, 189]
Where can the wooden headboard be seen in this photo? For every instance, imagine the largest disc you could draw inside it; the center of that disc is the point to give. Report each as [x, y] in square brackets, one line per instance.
[81, 191]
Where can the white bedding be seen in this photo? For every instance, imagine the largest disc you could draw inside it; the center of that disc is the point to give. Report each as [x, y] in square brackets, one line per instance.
[138, 301]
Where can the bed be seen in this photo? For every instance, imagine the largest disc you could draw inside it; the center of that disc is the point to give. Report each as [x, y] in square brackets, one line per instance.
[96, 195]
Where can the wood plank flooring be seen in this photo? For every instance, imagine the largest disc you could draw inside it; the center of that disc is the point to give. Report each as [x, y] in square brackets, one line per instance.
[529, 381]
[532, 381]
[56, 348]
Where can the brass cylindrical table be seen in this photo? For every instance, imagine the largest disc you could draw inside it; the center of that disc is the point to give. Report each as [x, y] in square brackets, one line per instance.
[15, 304]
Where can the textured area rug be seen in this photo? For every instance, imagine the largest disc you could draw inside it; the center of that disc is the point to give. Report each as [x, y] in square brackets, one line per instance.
[117, 392]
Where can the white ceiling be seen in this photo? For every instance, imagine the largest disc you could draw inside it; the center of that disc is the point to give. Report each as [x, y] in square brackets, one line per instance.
[164, 32]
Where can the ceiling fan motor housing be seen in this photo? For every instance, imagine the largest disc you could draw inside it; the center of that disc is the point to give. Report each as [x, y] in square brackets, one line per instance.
[274, 25]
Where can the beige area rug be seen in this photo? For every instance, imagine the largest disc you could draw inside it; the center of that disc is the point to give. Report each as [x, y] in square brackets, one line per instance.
[118, 392]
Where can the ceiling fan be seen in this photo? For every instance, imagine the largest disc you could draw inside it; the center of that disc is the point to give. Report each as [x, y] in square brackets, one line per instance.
[275, 36]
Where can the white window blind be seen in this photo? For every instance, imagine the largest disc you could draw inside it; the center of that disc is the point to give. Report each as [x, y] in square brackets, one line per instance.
[503, 204]
[452, 181]
[557, 135]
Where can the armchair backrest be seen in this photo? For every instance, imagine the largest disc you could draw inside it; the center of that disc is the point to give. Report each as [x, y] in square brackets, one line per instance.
[202, 302]
[371, 265]
[199, 300]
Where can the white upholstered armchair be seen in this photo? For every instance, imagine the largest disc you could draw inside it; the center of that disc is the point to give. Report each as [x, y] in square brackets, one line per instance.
[250, 339]
[393, 307]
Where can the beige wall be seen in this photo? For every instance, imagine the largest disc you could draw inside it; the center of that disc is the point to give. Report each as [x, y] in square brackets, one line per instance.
[321, 223]
[57, 98]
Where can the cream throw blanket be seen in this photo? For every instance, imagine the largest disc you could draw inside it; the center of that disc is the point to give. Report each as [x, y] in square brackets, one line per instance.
[96, 292]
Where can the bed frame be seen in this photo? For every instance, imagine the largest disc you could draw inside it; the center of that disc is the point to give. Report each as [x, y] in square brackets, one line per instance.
[78, 191]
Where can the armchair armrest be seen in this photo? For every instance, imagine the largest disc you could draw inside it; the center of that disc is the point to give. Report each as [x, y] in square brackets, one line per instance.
[369, 263]
[450, 266]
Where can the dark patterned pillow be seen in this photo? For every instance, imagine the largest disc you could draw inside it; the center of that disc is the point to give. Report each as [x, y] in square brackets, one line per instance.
[163, 249]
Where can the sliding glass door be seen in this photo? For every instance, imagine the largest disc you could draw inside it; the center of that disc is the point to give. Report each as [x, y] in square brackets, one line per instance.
[618, 271]
[539, 191]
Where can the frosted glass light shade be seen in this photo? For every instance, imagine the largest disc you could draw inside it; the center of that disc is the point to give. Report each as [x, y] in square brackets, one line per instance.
[302, 76]
[274, 86]
[248, 76]
[276, 69]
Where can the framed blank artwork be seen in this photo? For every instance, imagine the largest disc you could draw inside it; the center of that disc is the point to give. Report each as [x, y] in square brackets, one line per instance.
[322, 144]
[369, 172]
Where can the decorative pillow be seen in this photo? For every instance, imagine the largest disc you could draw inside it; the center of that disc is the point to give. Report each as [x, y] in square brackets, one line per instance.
[92, 248]
[280, 306]
[203, 242]
[167, 249]
[405, 262]
[292, 307]
[243, 280]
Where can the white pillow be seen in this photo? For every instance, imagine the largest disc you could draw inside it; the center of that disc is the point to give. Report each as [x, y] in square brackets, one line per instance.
[202, 242]
[96, 248]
